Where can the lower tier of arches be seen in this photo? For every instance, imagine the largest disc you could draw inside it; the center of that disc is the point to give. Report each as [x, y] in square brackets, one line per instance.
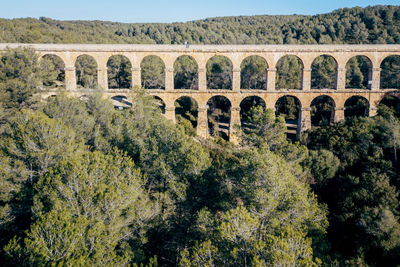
[307, 108]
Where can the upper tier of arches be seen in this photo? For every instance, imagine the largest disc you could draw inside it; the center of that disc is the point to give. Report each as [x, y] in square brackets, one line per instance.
[237, 59]
[270, 71]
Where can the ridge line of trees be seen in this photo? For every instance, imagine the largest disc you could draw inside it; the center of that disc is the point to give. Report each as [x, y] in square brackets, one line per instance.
[371, 25]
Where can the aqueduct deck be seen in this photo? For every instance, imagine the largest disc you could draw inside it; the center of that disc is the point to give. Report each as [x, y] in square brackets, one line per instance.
[236, 54]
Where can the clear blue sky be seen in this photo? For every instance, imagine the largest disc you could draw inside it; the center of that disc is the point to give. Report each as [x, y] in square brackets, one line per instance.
[170, 10]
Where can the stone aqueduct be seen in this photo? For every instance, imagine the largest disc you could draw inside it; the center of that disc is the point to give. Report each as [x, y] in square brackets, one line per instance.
[236, 54]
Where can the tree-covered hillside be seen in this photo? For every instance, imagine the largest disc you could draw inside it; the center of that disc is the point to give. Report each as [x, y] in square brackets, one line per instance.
[376, 24]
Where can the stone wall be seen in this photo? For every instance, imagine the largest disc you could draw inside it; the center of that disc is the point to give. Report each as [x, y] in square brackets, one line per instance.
[236, 54]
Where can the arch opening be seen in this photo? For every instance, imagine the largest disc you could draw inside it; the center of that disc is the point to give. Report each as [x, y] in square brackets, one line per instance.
[153, 72]
[86, 72]
[322, 111]
[358, 72]
[54, 68]
[160, 103]
[219, 116]
[390, 72]
[246, 106]
[253, 73]
[389, 105]
[290, 108]
[121, 102]
[186, 73]
[186, 113]
[219, 73]
[289, 73]
[119, 72]
[323, 72]
[356, 106]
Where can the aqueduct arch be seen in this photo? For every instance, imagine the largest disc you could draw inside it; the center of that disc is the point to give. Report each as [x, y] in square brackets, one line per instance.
[323, 109]
[201, 54]
[362, 65]
[186, 108]
[153, 72]
[55, 63]
[324, 64]
[119, 72]
[220, 73]
[253, 73]
[390, 68]
[86, 72]
[356, 106]
[219, 116]
[290, 70]
[186, 72]
[246, 104]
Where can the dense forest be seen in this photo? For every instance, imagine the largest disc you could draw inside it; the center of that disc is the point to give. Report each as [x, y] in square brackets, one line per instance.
[377, 24]
[83, 183]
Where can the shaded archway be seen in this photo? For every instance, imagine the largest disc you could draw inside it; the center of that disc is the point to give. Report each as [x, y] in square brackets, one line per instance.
[54, 69]
[246, 107]
[153, 72]
[121, 102]
[322, 111]
[356, 106]
[218, 116]
[219, 73]
[390, 73]
[186, 73]
[323, 72]
[389, 104]
[119, 72]
[86, 71]
[160, 103]
[290, 108]
[186, 113]
[253, 73]
[289, 72]
[358, 72]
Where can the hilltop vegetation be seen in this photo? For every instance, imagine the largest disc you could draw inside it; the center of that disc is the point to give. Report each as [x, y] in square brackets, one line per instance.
[371, 25]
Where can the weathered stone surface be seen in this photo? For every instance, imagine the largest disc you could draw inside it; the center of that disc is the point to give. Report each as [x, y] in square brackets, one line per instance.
[236, 54]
